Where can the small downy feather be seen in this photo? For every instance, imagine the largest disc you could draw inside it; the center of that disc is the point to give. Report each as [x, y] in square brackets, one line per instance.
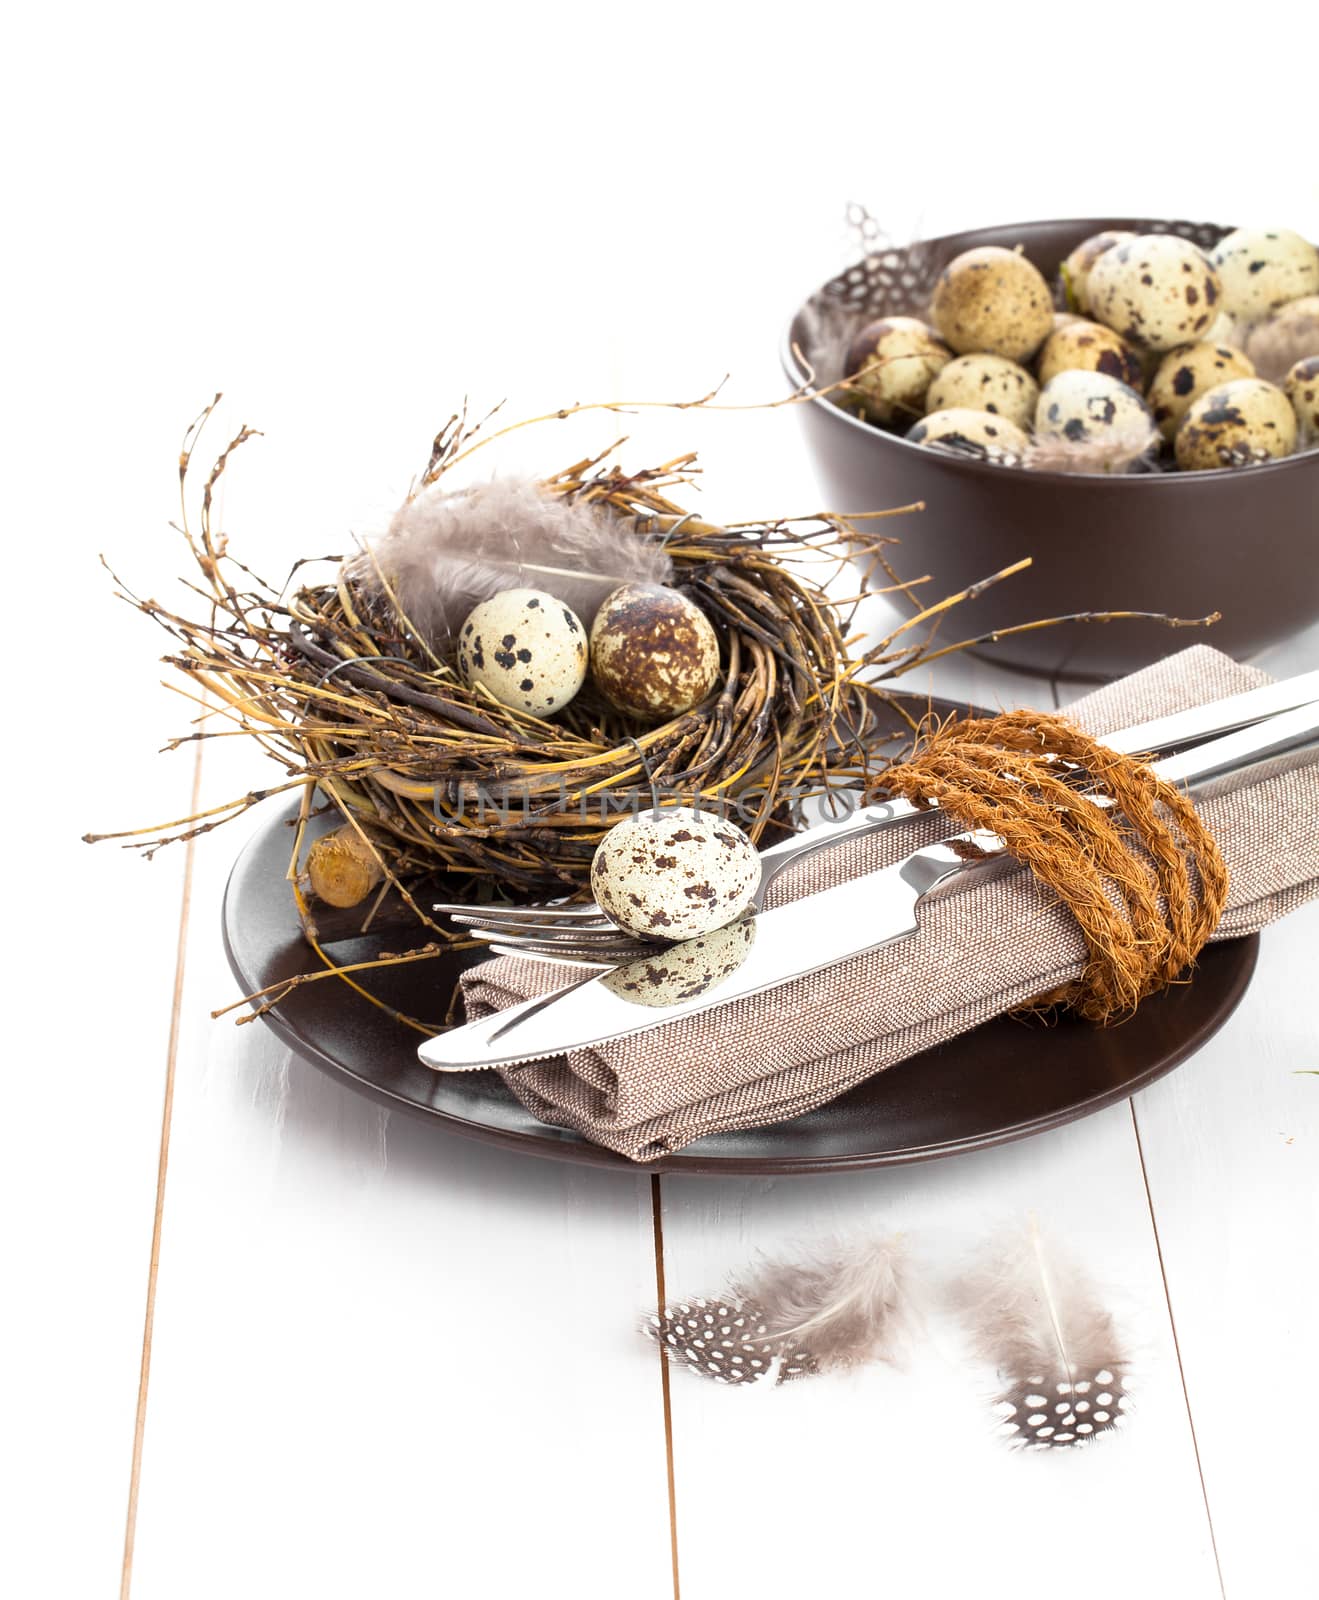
[1289, 336]
[844, 1304]
[1119, 450]
[444, 552]
[1036, 1317]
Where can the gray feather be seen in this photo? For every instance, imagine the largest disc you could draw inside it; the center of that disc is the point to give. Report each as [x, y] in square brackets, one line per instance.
[1275, 346]
[444, 552]
[1121, 449]
[846, 1303]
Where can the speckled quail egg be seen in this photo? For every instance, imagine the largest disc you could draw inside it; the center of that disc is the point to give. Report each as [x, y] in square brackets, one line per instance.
[1089, 347]
[985, 383]
[892, 361]
[653, 651]
[978, 434]
[526, 648]
[995, 300]
[1088, 407]
[1263, 268]
[1156, 290]
[1080, 264]
[682, 971]
[674, 874]
[1185, 373]
[1301, 387]
[1288, 336]
[1236, 424]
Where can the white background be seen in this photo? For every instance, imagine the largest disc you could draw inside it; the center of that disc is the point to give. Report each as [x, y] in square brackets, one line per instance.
[348, 218]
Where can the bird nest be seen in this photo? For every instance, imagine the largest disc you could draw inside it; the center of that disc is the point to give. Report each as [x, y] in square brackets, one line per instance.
[443, 793]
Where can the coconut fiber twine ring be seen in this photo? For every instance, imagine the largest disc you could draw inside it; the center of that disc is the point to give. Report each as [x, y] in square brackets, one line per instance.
[1141, 873]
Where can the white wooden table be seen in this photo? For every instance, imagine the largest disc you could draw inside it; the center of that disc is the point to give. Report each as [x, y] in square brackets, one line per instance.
[301, 1346]
[380, 1359]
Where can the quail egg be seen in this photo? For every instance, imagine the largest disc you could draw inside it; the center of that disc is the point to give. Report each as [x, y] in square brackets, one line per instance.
[1185, 373]
[1088, 407]
[1080, 264]
[682, 971]
[653, 651]
[674, 874]
[1288, 336]
[891, 362]
[1263, 268]
[978, 434]
[1302, 389]
[1156, 290]
[1236, 425]
[994, 300]
[1089, 347]
[526, 648]
[985, 383]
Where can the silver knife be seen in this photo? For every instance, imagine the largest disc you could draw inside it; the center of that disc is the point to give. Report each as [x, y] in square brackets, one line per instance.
[792, 941]
[1214, 717]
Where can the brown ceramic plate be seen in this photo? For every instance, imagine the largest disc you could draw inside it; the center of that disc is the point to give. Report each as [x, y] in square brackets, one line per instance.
[1002, 1081]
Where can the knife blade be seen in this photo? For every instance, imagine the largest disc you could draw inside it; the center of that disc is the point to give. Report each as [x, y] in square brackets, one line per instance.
[795, 940]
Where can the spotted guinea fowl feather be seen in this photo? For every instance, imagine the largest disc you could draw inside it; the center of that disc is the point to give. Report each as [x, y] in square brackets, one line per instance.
[845, 1303]
[1037, 1318]
[444, 552]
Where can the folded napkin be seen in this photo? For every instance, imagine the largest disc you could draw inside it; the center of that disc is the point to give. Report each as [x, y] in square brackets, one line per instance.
[979, 953]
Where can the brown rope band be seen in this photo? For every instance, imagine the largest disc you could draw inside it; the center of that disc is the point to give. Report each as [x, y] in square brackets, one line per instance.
[1143, 876]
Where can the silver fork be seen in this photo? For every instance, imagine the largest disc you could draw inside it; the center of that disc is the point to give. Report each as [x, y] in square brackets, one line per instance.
[584, 936]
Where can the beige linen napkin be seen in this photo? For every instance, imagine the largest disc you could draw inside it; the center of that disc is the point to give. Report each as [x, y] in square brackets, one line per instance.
[979, 953]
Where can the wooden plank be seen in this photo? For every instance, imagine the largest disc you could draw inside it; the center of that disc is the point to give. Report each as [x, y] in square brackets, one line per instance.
[88, 1043]
[386, 1358]
[1229, 1144]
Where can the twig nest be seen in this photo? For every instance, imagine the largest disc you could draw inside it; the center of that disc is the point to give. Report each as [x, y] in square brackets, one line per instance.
[985, 383]
[1236, 424]
[1085, 407]
[978, 434]
[1186, 373]
[654, 653]
[526, 648]
[1262, 269]
[1156, 290]
[674, 875]
[341, 868]
[1302, 388]
[682, 971]
[1080, 264]
[891, 363]
[1090, 347]
[992, 299]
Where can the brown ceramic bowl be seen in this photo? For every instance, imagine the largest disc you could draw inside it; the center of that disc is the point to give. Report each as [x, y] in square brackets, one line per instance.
[1244, 543]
